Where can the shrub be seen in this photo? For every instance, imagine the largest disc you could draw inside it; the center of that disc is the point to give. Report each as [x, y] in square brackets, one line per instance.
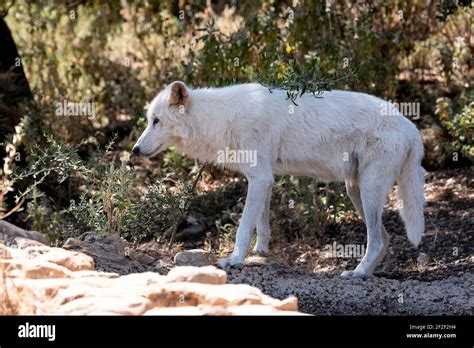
[119, 57]
[458, 122]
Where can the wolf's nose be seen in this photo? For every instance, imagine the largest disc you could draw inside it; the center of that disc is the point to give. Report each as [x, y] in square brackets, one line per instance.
[136, 150]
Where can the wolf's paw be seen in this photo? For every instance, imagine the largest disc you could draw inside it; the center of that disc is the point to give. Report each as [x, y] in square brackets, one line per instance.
[354, 274]
[230, 261]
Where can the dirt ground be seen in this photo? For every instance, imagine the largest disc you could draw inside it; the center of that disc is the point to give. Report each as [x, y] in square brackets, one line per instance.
[439, 282]
[325, 295]
[434, 279]
[448, 241]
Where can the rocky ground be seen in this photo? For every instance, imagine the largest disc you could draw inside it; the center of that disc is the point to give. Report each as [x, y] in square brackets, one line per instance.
[323, 295]
[434, 279]
[39, 279]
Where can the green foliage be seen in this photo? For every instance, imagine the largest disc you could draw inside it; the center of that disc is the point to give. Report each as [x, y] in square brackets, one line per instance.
[57, 157]
[306, 207]
[109, 201]
[458, 121]
[297, 82]
[44, 216]
[448, 7]
[177, 161]
[118, 56]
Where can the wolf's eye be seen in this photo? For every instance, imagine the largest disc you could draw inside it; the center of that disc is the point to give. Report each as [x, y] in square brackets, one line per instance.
[155, 121]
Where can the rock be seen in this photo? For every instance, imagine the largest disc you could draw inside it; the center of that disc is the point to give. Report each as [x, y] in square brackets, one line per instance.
[260, 260]
[289, 304]
[106, 245]
[9, 230]
[106, 305]
[145, 259]
[193, 294]
[73, 261]
[257, 310]
[33, 269]
[194, 257]
[108, 251]
[4, 252]
[53, 281]
[206, 275]
[423, 259]
[218, 310]
[94, 274]
[184, 310]
[22, 243]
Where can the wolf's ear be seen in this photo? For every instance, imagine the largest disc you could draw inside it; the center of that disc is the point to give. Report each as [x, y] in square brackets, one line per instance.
[179, 95]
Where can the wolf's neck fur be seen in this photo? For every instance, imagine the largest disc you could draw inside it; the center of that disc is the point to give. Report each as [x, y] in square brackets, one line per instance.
[209, 126]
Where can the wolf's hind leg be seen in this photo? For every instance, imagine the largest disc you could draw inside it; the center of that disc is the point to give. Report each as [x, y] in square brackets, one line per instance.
[369, 198]
[353, 191]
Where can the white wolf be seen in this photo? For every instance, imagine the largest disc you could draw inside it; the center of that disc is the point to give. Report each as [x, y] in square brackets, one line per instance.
[339, 136]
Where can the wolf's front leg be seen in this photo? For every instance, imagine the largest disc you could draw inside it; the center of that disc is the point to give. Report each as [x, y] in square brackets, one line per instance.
[259, 189]
[263, 228]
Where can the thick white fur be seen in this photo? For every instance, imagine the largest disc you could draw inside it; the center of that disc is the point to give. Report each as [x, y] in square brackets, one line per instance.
[339, 136]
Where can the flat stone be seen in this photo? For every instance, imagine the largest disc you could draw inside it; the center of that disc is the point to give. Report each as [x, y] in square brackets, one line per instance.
[194, 257]
[205, 275]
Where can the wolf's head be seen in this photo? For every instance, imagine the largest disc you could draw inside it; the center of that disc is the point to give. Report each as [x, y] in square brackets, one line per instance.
[165, 120]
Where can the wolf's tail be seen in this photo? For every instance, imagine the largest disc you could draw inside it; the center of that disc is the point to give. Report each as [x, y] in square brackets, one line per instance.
[411, 193]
